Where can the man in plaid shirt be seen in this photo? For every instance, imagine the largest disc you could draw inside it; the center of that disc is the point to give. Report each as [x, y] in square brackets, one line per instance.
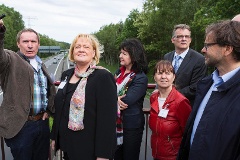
[28, 96]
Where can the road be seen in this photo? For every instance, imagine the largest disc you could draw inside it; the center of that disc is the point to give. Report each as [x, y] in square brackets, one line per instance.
[55, 71]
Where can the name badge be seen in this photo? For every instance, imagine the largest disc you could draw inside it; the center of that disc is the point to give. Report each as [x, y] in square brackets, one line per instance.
[163, 113]
[62, 84]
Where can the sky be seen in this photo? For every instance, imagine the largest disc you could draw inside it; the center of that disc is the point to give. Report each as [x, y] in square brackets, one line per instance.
[62, 20]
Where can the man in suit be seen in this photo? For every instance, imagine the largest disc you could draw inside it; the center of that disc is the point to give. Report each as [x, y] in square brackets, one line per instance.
[189, 67]
[213, 128]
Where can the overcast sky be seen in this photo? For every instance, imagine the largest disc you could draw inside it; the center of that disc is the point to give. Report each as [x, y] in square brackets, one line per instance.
[62, 20]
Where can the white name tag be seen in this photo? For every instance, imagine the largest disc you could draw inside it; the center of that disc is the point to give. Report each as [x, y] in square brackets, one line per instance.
[62, 84]
[163, 113]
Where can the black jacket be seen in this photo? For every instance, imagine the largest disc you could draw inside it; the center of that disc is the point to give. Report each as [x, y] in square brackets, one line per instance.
[218, 133]
[98, 138]
[133, 116]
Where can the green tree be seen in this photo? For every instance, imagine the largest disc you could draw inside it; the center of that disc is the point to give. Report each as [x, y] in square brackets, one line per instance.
[111, 36]
[107, 36]
[129, 30]
[14, 23]
[205, 15]
[156, 23]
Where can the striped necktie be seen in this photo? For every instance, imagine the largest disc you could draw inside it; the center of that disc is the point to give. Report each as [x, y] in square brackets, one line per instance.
[176, 64]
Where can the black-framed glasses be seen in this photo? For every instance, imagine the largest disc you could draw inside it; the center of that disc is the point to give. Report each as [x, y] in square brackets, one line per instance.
[182, 36]
[207, 45]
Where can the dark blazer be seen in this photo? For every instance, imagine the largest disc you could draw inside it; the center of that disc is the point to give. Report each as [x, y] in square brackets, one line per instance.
[191, 70]
[133, 116]
[98, 138]
[218, 133]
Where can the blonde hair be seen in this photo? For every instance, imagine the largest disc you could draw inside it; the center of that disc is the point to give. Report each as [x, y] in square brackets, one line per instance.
[95, 44]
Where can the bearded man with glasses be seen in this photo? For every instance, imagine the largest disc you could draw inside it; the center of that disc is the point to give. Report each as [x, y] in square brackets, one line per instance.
[213, 128]
[188, 64]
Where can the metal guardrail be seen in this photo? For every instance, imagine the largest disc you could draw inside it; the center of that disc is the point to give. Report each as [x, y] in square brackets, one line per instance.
[2, 148]
[145, 110]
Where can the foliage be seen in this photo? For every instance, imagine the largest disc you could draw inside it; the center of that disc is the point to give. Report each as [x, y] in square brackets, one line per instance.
[156, 23]
[153, 26]
[46, 41]
[14, 23]
[220, 10]
[129, 30]
[111, 68]
[107, 36]
[111, 36]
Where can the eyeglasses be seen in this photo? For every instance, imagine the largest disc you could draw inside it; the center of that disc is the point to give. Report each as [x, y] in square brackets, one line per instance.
[182, 36]
[207, 45]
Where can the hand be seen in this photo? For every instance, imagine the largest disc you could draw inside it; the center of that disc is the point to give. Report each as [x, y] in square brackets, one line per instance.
[121, 104]
[53, 144]
[45, 116]
[1, 23]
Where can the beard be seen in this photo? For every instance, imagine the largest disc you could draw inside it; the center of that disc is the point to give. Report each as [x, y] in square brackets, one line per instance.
[212, 61]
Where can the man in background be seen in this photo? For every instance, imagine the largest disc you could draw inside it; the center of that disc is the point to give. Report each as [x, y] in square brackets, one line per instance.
[28, 94]
[188, 64]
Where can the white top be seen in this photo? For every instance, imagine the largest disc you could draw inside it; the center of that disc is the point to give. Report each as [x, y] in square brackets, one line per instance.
[34, 63]
[161, 101]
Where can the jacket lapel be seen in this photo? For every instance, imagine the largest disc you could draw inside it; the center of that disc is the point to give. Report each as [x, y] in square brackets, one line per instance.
[185, 62]
[67, 76]
[170, 98]
[170, 56]
[204, 84]
[154, 104]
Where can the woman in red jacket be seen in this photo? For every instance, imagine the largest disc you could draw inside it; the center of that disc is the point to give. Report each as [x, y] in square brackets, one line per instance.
[168, 115]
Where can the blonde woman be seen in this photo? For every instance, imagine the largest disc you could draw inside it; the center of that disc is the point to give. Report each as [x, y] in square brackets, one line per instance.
[84, 123]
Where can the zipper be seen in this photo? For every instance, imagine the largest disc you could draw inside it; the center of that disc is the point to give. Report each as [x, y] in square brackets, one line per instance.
[157, 136]
[169, 140]
[166, 106]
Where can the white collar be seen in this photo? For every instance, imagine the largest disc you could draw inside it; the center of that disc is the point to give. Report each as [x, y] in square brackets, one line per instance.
[34, 63]
[183, 54]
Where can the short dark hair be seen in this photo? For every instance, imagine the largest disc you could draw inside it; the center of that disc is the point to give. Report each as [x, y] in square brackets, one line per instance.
[26, 30]
[137, 54]
[226, 33]
[163, 65]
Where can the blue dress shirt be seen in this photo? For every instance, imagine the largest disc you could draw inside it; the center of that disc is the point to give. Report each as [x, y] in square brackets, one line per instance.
[217, 81]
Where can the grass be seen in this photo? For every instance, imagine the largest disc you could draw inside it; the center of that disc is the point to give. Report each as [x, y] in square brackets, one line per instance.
[50, 122]
[111, 68]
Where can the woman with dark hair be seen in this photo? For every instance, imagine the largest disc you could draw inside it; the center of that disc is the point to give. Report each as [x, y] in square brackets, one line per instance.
[168, 115]
[131, 83]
